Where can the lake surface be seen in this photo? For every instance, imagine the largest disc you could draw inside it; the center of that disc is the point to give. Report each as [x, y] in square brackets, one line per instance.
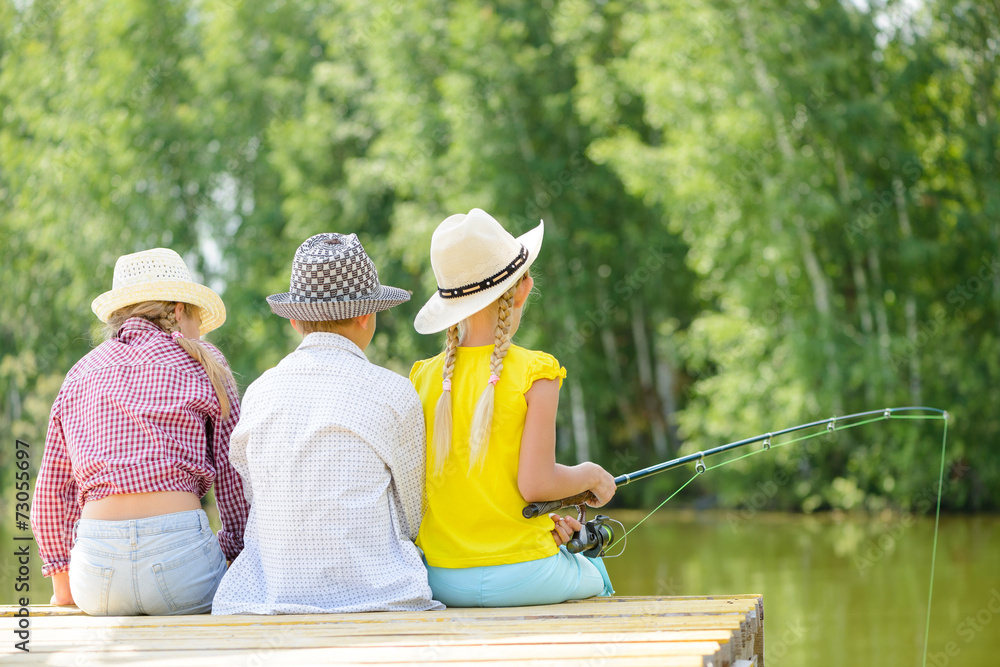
[838, 589]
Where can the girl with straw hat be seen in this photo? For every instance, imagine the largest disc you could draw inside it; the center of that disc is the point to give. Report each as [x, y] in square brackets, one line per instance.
[137, 435]
[490, 409]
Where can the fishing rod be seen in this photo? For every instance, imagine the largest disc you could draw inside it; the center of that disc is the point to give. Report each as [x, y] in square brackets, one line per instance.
[595, 533]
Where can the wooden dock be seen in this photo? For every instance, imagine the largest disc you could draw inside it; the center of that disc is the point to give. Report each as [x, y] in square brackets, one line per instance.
[714, 631]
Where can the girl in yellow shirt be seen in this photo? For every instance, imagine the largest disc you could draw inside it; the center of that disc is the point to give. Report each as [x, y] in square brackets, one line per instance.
[490, 409]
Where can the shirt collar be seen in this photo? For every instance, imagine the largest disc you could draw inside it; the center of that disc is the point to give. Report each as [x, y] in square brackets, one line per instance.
[137, 327]
[324, 339]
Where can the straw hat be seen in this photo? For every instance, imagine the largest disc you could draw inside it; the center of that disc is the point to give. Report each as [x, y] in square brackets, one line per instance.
[158, 275]
[475, 261]
[334, 279]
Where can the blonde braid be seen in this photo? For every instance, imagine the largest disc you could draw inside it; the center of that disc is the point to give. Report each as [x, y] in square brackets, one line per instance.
[442, 413]
[161, 313]
[482, 421]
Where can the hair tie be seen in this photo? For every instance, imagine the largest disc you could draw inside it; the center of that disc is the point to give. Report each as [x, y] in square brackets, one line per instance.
[446, 385]
[494, 379]
[176, 334]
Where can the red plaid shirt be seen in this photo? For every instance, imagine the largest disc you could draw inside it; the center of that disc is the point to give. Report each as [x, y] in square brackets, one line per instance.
[131, 418]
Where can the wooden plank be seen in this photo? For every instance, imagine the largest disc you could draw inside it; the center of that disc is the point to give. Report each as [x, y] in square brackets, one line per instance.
[578, 608]
[697, 630]
[58, 638]
[296, 658]
[131, 628]
[433, 653]
[346, 620]
[596, 645]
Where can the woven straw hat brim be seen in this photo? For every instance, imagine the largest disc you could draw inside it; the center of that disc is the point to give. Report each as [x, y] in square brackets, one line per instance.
[439, 313]
[213, 310]
[321, 311]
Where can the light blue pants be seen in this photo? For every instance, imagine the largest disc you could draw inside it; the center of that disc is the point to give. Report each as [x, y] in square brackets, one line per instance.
[168, 564]
[551, 580]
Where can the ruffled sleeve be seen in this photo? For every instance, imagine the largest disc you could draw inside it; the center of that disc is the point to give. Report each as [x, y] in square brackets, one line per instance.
[543, 366]
[417, 365]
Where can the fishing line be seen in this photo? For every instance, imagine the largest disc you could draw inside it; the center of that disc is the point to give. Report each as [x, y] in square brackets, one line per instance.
[937, 520]
[652, 513]
[832, 427]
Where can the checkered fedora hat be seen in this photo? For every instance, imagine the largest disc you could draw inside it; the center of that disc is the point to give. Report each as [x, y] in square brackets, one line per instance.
[334, 279]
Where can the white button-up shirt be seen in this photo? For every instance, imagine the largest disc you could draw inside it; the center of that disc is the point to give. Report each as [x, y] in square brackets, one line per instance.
[331, 450]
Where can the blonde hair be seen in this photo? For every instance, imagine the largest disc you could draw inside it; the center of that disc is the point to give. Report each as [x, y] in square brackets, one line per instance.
[326, 326]
[442, 413]
[161, 313]
[482, 420]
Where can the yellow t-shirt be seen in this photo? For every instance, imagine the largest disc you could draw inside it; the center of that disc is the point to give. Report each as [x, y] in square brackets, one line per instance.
[475, 520]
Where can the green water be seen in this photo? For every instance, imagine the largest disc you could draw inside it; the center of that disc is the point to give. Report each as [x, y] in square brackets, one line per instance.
[838, 590]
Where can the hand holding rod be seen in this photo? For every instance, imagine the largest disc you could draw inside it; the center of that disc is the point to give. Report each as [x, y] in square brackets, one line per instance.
[536, 509]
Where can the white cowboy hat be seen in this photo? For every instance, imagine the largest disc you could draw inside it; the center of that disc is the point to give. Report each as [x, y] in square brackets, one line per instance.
[158, 275]
[333, 279]
[475, 260]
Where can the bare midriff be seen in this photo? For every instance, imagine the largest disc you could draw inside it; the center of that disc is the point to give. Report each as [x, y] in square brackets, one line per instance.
[140, 505]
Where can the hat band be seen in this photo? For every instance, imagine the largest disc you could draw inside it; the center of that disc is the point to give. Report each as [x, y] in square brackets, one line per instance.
[503, 274]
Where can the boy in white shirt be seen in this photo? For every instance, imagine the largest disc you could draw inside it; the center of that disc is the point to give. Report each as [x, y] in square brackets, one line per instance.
[331, 450]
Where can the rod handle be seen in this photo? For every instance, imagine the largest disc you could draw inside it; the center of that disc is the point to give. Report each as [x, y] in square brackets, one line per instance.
[537, 509]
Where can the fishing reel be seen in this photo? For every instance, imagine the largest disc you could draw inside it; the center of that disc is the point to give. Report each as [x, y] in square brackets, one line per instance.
[593, 538]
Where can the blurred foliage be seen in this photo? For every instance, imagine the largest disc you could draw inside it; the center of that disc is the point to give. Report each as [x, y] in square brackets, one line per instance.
[757, 214]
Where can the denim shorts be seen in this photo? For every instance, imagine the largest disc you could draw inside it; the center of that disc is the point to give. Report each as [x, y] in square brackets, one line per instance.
[551, 580]
[162, 565]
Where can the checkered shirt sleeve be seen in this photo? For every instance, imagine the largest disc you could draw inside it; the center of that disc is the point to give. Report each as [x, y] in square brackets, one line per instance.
[54, 511]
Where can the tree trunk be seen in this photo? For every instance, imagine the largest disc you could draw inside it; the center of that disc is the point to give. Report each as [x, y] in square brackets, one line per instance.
[665, 381]
[581, 436]
[881, 319]
[821, 296]
[910, 303]
[648, 388]
[867, 325]
[626, 412]
[577, 404]
[821, 291]
[860, 280]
